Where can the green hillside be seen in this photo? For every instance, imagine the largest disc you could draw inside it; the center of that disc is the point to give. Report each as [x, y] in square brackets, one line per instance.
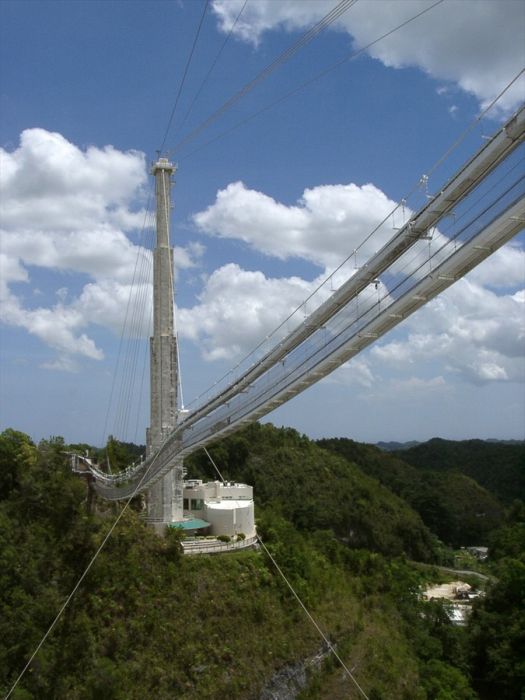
[317, 490]
[497, 466]
[149, 623]
[451, 504]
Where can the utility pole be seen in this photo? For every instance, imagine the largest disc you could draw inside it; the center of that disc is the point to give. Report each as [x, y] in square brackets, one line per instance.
[164, 499]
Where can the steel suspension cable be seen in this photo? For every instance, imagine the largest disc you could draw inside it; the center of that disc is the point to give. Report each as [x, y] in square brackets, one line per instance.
[212, 67]
[143, 323]
[390, 214]
[296, 596]
[214, 464]
[136, 302]
[77, 585]
[124, 325]
[185, 73]
[313, 621]
[285, 56]
[310, 81]
[143, 375]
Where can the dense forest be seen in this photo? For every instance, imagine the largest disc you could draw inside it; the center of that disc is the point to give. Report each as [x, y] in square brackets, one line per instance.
[358, 532]
[452, 505]
[496, 466]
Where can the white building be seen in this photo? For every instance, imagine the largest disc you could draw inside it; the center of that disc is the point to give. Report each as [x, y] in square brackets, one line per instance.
[227, 508]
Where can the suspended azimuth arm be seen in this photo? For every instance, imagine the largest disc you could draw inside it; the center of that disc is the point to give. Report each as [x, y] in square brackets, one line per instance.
[246, 401]
[185, 440]
[458, 187]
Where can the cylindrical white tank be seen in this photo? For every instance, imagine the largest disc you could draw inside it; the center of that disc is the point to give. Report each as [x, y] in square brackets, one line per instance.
[231, 518]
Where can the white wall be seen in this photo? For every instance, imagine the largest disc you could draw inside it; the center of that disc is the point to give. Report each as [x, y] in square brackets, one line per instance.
[231, 520]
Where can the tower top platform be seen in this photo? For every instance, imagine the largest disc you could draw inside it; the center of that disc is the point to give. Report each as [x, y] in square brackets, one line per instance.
[163, 164]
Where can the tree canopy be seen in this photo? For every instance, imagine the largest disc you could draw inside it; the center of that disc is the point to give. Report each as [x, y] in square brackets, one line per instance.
[149, 622]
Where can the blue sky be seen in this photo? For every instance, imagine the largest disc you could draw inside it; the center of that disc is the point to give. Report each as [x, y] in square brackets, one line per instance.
[262, 211]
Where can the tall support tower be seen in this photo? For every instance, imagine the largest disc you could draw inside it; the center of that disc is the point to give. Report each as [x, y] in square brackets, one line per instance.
[164, 499]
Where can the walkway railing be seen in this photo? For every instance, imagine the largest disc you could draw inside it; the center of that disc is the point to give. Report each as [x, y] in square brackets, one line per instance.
[216, 546]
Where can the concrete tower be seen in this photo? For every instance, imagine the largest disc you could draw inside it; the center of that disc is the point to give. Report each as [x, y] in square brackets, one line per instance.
[164, 499]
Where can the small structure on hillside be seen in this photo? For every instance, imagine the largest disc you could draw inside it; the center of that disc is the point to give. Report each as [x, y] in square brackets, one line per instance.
[224, 508]
[480, 553]
[459, 596]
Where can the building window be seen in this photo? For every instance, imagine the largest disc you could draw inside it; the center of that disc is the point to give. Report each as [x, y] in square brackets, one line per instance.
[185, 504]
[197, 504]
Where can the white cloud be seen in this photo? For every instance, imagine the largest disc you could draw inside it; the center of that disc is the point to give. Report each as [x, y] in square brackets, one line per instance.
[109, 303]
[326, 224]
[356, 372]
[418, 385]
[99, 251]
[51, 185]
[64, 363]
[186, 258]
[265, 15]
[476, 44]
[10, 271]
[68, 210]
[417, 346]
[58, 326]
[237, 308]
[475, 332]
[414, 389]
[503, 269]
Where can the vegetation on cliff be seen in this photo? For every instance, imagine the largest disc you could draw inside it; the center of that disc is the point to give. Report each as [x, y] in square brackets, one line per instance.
[148, 622]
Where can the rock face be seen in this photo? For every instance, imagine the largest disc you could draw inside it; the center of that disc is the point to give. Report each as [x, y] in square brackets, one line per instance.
[287, 683]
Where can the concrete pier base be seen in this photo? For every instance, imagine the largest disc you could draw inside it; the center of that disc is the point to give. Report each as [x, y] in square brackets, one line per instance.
[164, 499]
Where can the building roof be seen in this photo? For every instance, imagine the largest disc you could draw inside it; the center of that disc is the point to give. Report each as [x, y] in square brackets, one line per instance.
[229, 505]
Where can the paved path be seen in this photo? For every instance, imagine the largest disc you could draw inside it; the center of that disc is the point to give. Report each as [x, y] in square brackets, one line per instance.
[463, 572]
[466, 572]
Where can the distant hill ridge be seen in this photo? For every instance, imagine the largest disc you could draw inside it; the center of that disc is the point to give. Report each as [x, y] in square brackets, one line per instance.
[498, 466]
[393, 445]
[453, 505]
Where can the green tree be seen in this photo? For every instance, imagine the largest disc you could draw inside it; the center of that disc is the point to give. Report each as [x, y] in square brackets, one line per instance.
[17, 453]
[497, 634]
